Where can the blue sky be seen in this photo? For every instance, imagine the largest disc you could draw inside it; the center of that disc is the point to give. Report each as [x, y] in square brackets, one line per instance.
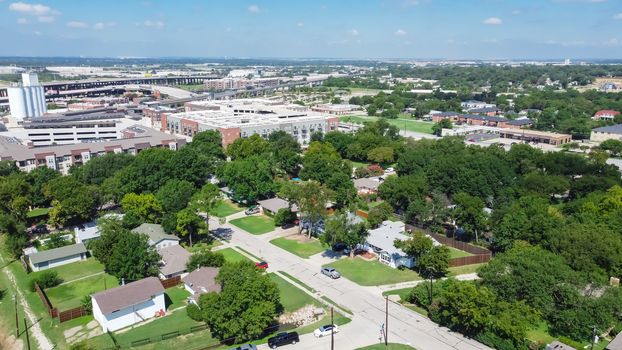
[452, 29]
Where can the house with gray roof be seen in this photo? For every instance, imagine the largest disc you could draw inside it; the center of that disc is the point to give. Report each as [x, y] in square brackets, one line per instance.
[612, 132]
[157, 237]
[56, 257]
[273, 205]
[200, 281]
[126, 305]
[173, 262]
[367, 185]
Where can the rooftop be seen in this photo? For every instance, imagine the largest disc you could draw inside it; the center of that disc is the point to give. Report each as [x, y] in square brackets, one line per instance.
[174, 259]
[155, 232]
[384, 236]
[203, 280]
[130, 294]
[57, 253]
[275, 204]
[612, 129]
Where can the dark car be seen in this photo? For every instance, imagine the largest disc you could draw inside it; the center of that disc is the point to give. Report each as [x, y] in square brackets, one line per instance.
[283, 339]
[246, 347]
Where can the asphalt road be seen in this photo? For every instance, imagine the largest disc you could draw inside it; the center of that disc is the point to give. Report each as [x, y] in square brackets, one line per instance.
[367, 304]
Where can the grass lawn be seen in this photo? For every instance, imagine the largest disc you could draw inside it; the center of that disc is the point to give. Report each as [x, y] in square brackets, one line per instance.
[359, 164]
[372, 273]
[292, 298]
[37, 212]
[402, 123]
[225, 208]
[191, 87]
[391, 346]
[70, 295]
[457, 253]
[540, 334]
[232, 256]
[201, 246]
[175, 297]
[303, 250]
[462, 270]
[256, 225]
[403, 293]
[302, 284]
[75, 270]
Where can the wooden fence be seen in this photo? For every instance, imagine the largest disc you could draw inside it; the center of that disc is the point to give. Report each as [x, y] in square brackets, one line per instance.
[480, 255]
[70, 314]
[171, 282]
[362, 214]
[53, 312]
[469, 260]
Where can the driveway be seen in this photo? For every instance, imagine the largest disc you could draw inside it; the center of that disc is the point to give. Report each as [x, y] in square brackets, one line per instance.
[368, 306]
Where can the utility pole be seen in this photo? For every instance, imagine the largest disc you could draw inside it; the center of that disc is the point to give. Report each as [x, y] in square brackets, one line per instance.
[26, 330]
[386, 321]
[593, 337]
[332, 330]
[16, 320]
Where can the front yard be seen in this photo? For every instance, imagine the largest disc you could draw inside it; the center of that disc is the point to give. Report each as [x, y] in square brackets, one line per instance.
[296, 246]
[372, 273]
[292, 298]
[225, 208]
[232, 255]
[256, 225]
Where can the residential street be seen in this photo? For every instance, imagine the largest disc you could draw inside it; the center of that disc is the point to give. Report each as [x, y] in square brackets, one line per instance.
[367, 303]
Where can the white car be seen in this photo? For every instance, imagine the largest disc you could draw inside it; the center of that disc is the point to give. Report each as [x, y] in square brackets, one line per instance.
[389, 170]
[326, 330]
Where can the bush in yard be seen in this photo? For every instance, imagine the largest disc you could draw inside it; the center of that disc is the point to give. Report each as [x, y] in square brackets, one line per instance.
[379, 213]
[284, 216]
[194, 312]
[420, 296]
[47, 279]
[361, 172]
[83, 345]
[87, 304]
[205, 258]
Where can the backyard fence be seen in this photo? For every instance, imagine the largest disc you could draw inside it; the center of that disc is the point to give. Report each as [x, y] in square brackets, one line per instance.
[70, 314]
[63, 316]
[171, 282]
[480, 255]
[362, 214]
[25, 265]
[53, 312]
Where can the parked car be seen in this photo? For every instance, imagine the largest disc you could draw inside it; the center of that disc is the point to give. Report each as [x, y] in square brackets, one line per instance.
[246, 347]
[331, 272]
[389, 170]
[326, 330]
[261, 265]
[341, 247]
[252, 210]
[283, 339]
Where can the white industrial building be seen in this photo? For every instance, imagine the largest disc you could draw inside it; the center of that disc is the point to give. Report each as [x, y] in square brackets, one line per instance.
[28, 99]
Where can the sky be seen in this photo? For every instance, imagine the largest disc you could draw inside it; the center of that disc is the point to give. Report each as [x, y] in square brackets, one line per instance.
[444, 29]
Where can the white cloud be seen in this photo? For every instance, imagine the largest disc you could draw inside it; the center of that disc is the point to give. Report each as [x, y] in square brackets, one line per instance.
[23, 21]
[103, 25]
[492, 21]
[400, 32]
[300, 24]
[409, 3]
[44, 14]
[153, 24]
[618, 16]
[353, 32]
[253, 9]
[37, 33]
[77, 24]
[516, 12]
[612, 42]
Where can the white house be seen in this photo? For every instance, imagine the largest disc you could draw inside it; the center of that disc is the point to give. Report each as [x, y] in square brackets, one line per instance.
[202, 280]
[129, 304]
[56, 257]
[157, 236]
[381, 241]
[173, 262]
[89, 231]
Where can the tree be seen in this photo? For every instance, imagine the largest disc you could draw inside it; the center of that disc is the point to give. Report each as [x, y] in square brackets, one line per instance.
[321, 161]
[382, 155]
[243, 148]
[72, 201]
[400, 191]
[343, 189]
[433, 264]
[133, 258]
[613, 146]
[311, 197]
[246, 305]
[250, 178]
[57, 240]
[8, 167]
[379, 213]
[438, 127]
[189, 223]
[417, 246]
[205, 258]
[15, 234]
[284, 216]
[469, 213]
[341, 229]
[174, 195]
[285, 152]
[111, 230]
[15, 194]
[144, 207]
[98, 169]
[38, 178]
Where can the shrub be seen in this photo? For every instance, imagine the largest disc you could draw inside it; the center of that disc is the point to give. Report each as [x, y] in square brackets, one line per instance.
[87, 304]
[205, 258]
[496, 342]
[47, 279]
[284, 216]
[194, 312]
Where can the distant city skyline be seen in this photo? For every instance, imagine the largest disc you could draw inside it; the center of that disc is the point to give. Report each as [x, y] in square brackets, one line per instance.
[448, 29]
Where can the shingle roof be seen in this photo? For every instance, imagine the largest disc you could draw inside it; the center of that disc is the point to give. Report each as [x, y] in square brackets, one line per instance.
[130, 294]
[384, 236]
[613, 129]
[203, 280]
[520, 122]
[57, 253]
[175, 258]
[485, 117]
[616, 343]
[484, 110]
[274, 204]
[366, 183]
[155, 232]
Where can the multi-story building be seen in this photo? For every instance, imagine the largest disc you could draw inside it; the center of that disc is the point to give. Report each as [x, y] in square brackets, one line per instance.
[243, 118]
[61, 158]
[28, 99]
[336, 109]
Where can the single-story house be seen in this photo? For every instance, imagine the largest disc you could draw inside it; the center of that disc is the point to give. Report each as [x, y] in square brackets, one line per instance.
[89, 231]
[367, 185]
[126, 305]
[202, 280]
[157, 236]
[56, 257]
[273, 205]
[174, 259]
[612, 132]
[381, 241]
[557, 345]
[605, 114]
[616, 343]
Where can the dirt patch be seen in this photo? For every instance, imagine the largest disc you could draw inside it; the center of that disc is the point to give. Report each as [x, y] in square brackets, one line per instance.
[367, 255]
[301, 317]
[8, 341]
[299, 238]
